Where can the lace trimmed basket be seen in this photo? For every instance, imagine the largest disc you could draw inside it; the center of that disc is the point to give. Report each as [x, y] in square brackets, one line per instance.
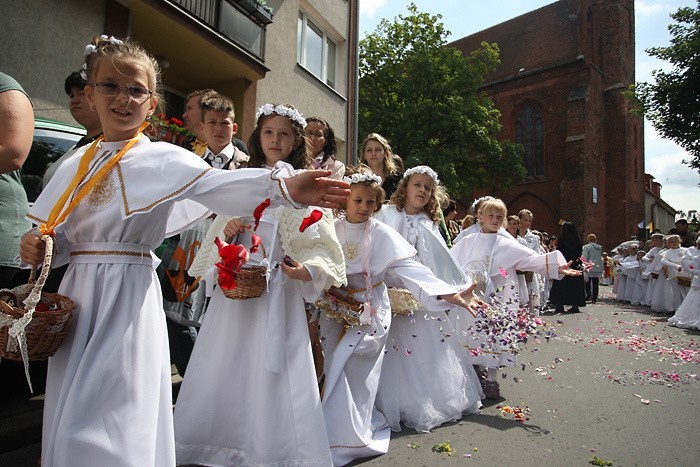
[27, 333]
[338, 304]
[402, 301]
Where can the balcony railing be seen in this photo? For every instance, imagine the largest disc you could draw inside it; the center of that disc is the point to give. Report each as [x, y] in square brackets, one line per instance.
[242, 21]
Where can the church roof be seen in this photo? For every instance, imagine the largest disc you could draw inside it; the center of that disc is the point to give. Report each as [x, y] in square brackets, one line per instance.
[539, 39]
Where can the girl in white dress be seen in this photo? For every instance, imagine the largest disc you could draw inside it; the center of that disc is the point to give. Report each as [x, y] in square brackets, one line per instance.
[108, 391]
[493, 260]
[688, 313]
[426, 380]
[666, 295]
[250, 395]
[354, 353]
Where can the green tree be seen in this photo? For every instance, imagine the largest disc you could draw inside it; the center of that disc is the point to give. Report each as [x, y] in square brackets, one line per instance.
[672, 103]
[426, 99]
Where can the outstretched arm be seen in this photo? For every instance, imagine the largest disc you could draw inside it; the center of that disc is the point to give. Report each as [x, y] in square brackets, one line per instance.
[466, 299]
[312, 188]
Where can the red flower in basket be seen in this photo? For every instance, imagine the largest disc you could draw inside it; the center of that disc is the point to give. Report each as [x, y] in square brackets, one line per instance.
[233, 257]
[257, 214]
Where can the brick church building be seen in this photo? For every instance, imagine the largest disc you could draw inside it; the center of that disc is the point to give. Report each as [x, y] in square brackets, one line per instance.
[558, 88]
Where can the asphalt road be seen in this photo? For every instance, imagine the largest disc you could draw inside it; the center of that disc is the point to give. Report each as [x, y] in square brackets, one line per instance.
[617, 383]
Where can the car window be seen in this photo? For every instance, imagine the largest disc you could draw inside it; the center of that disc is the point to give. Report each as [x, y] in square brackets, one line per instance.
[47, 147]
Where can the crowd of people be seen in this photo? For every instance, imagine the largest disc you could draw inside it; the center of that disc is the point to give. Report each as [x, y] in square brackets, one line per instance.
[661, 274]
[378, 309]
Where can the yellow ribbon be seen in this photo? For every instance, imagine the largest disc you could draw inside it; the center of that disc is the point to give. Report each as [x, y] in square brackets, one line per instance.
[199, 147]
[58, 214]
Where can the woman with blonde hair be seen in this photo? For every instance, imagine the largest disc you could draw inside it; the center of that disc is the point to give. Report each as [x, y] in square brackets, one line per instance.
[377, 154]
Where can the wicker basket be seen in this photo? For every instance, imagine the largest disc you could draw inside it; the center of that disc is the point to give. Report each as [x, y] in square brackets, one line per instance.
[402, 301]
[44, 330]
[336, 304]
[251, 282]
[683, 281]
[655, 275]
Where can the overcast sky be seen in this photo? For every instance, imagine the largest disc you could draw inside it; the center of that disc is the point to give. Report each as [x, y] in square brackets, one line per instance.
[464, 17]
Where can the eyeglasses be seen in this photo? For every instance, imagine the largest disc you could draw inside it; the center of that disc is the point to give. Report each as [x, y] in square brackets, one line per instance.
[112, 89]
[316, 134]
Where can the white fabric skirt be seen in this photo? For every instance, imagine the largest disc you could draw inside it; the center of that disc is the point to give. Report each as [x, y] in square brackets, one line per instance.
[231, 409]
[353, 362]
[109, 390]
[688, 313]
[423, 383]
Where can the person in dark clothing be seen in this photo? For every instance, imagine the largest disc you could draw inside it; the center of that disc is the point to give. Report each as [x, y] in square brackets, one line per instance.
[570, 290]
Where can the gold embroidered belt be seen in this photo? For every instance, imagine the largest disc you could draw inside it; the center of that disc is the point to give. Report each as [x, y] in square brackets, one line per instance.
[112, 253]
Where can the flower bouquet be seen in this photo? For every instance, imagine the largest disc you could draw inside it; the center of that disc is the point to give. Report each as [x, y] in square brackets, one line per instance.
[240, 282]
[171, 130]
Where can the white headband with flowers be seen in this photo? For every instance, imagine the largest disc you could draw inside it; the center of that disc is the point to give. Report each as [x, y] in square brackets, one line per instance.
[292, 114]
[91, 49]
[422, 169]
[363, 177]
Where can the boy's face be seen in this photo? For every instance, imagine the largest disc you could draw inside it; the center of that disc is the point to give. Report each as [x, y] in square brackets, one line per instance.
[217, 129]
[525, 222]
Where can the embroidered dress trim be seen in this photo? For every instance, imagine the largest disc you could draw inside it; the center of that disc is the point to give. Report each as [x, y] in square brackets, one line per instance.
[129, 211]
[111, 253]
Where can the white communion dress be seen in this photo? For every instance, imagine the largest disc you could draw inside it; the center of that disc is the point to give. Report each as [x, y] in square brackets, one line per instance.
[427, 378]
[108, 390]
[354, 354]
[250, 396]
[492, 260]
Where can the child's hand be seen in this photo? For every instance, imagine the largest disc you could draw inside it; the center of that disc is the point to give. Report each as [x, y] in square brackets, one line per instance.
[234, 227]
[32, 248]
[567, 271]
[311, 188]
[295, 270]
[466, 299]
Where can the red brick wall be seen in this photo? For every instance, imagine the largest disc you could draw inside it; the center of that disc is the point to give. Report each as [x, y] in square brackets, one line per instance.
[571, 59]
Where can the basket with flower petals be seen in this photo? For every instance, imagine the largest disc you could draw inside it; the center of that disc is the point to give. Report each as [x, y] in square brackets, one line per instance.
[33, 323]
[338, 303]
[402, 301]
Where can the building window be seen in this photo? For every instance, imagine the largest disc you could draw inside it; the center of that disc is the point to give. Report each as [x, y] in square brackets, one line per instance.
[529, 132]
[316, 51]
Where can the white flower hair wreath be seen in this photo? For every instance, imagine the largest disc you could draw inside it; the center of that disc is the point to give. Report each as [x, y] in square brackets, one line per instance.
[480, 200]
[363, 177]
[422, 169]
[91, 49]
[292, 114]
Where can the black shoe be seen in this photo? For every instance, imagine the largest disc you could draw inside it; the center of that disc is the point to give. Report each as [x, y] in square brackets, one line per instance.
[574, 309]
[559, 309]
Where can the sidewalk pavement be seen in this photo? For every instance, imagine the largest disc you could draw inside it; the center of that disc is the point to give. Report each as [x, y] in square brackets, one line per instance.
[617, 383]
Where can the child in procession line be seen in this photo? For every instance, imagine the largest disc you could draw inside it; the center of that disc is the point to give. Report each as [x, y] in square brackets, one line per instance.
[425, 380]
[264, 407]
[108, 392]
[354, 353]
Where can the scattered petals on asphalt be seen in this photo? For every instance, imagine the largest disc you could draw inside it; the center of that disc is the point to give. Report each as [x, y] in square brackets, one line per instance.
[444, 448]
[413, 445]
[520, 414]
[595, 460]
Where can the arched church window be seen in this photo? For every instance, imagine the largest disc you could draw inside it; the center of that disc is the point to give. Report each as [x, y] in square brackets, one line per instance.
[529, 131]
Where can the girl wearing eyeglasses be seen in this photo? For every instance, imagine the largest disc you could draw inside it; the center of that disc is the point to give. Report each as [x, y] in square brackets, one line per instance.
[321, 138]
[108, 390]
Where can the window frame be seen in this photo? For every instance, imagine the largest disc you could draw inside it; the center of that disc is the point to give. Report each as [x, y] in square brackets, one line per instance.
[303, 22]
[535, 144]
